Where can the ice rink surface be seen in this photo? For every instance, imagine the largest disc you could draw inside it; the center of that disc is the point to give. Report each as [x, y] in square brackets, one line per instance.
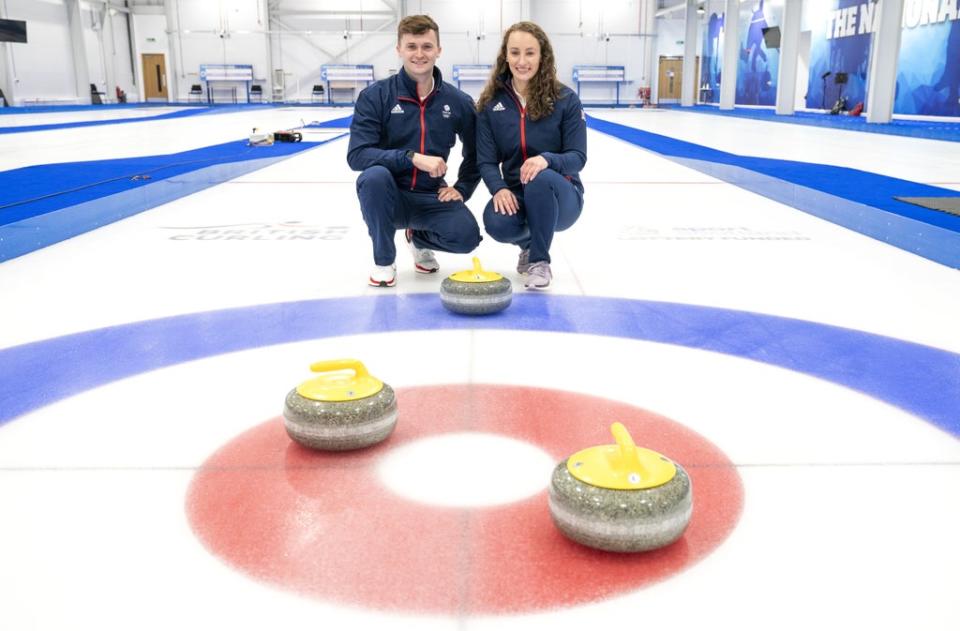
[840, 503]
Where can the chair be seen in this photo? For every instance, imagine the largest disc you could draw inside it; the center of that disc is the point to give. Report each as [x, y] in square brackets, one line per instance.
[318, 93]
[256, 91]
[95, 95]
[196, 90]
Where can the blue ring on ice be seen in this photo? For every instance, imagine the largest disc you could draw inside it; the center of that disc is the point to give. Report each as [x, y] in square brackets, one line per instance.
[922, 380]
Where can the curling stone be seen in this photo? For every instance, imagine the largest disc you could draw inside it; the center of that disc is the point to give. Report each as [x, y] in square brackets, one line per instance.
[620, 498]
[476, 291]
[343, 408]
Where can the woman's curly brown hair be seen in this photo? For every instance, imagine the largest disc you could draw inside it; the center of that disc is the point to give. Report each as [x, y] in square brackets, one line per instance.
[544, 88]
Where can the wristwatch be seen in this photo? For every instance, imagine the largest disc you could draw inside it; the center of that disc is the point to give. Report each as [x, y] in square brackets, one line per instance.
[410, 153]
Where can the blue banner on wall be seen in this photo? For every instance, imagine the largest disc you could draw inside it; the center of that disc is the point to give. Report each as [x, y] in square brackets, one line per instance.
[711, 58]
[840, 52]
[928, 72]
[758, 65]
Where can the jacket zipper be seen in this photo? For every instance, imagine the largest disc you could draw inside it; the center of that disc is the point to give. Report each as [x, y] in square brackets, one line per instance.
[523, 125]
[423, 132]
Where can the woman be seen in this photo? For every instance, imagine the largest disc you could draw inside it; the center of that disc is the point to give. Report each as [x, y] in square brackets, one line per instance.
[533, 127]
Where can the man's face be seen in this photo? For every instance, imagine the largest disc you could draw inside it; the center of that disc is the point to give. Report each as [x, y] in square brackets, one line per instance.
[419, 54]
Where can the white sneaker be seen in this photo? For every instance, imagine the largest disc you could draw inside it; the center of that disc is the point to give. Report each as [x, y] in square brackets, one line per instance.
[423, 259]
[383, 275]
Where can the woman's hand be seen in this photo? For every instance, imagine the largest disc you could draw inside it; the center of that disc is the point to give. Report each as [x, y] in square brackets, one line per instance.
[531, 167]
[505, 202]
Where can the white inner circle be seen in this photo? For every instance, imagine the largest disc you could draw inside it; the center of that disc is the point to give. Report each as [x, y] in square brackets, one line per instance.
[466, 469]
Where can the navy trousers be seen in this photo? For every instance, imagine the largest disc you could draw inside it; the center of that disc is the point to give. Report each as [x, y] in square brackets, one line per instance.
[548, 204]
[443, 226]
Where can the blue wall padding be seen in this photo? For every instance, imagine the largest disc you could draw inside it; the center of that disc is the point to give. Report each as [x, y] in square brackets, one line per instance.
[194, 111]
[56, 202]
[336, 123]
[40, 189]
[42, 109]
[929, 129]
[851, 198]
[921, 380]
[854, 185]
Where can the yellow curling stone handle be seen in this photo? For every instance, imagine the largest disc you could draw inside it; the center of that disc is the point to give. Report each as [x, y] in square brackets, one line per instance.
[623, 466]
[475, 275]
[335, 383]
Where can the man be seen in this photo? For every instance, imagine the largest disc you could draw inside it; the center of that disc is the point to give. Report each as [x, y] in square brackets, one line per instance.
[402, 131]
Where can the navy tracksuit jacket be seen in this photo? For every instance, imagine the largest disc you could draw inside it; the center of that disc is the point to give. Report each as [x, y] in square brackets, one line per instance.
[389, 120]
[506, 138]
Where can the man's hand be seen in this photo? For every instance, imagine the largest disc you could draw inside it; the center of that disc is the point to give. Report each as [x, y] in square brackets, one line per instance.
[449, 194]
[505, 202]
[433, 165]
[531, 167]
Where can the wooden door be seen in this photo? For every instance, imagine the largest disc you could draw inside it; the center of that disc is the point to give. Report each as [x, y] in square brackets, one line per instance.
[154, 77]
[671, 77]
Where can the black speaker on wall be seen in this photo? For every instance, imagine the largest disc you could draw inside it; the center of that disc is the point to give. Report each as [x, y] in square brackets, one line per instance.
[13, 31]
[771, 37]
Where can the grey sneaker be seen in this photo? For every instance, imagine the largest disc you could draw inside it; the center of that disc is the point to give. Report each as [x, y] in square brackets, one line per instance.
[423, 259]
[523, 263]
[539, 275]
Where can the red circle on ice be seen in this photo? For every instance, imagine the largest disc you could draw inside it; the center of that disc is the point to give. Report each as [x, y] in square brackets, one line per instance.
[322, 524]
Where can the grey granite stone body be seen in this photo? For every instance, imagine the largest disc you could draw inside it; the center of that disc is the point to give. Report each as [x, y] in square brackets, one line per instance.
[340, 425]
[620, 520]
[476, 298]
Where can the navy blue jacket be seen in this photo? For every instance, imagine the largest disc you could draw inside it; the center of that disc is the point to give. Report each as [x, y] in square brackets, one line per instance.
[505, 135]
[389, 120]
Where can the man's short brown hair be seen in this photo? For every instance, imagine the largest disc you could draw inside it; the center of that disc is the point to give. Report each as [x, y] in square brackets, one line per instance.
[417, 25]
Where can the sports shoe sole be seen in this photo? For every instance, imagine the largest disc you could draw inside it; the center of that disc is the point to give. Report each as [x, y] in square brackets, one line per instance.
[381, 283]
[425, 270]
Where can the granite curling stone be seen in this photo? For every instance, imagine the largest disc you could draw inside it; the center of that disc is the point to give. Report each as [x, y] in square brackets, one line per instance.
[343, 408]
[620, 498]
[476, 291]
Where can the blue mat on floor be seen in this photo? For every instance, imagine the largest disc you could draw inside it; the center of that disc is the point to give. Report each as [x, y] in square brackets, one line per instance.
[930, 129]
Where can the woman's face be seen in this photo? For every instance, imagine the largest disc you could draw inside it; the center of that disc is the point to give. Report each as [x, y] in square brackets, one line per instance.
[523, 55]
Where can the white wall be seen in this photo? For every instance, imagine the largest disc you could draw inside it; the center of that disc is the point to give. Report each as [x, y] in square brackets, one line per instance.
[309, 33]
[150, 36]
[43, 68]
[603, 32]
[671, 35]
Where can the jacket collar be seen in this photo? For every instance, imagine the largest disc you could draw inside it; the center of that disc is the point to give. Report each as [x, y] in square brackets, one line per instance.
[408, 87]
